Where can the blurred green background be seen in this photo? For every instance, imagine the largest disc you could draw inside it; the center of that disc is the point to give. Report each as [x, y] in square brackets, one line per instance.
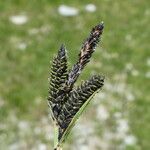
[31, 32]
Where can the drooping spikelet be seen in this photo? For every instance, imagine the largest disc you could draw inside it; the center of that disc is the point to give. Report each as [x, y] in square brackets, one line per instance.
[57, 78]
[90, 44]
[85, 54]
[76, 99]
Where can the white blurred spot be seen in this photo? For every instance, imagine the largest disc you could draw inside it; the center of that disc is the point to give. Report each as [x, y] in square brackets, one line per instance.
[67, 11]
[120, 77]
[117, 115]
[48, 132]
[135, 72]
[42, 147]
[110, 55]
[33, 31]
[129, 66]
[90, 8]
[147, 75]
[84, 147]
[122, 127]
[44, 120]
[13, 117]
[42, 30]
[119, 88]
[37, 130]
[109, 86]
[130, 96]
[147, 12]
[19, 20]
[130, 140]
[38, 100]
[148, 62]
[128, 37]
[22, 46]
[14, 146]
[84, 130]
[102, 113]
[100, 95]
[23, 125]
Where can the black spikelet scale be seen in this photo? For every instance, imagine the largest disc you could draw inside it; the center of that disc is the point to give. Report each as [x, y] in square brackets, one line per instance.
[88, 47]
[90, 44]
[57, 78]
[76, 99]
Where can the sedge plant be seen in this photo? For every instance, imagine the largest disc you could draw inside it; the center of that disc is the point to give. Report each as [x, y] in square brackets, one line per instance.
[65, 100]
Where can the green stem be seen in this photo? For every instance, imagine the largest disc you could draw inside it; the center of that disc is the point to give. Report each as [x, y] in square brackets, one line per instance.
[56, 142]
[55, 135]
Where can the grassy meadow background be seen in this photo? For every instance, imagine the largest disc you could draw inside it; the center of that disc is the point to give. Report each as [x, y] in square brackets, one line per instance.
[118, 117]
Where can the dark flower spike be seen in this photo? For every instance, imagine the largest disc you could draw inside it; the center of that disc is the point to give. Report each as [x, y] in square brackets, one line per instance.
[57, 78]
[76, 99]
[90, 44]
[86, 51]
[67, 103]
